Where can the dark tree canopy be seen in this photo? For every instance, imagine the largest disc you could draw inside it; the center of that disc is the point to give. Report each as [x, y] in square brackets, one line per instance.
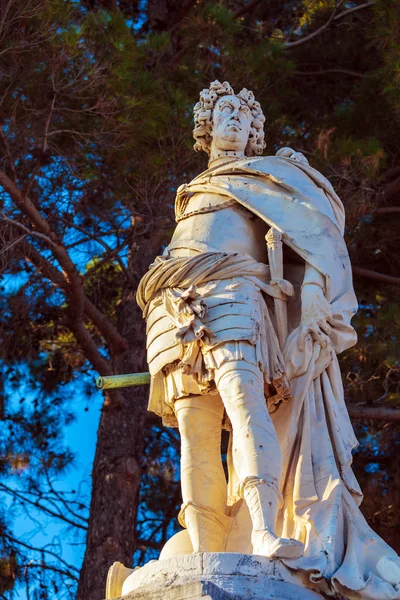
[96, 105]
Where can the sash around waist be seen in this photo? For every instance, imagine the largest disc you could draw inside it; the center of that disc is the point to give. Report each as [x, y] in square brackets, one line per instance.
[184, 272]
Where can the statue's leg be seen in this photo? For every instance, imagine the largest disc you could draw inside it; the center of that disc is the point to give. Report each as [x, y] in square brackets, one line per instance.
[203, 481]
[256, 455]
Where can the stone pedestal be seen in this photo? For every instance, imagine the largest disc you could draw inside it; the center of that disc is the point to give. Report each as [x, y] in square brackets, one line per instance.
[219, 576]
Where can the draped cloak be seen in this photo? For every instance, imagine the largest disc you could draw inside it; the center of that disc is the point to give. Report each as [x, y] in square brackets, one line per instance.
[321, 494]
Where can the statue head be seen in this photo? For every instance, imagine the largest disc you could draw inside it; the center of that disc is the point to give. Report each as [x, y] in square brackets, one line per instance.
[228, 122]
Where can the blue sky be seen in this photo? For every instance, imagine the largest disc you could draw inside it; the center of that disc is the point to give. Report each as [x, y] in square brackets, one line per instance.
[39, 530]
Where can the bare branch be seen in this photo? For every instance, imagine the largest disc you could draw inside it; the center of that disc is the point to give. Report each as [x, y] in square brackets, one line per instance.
[69, 280]
[64, 502]
[47, 124]
[40, 506]
[77, 326]
[392, 188]
[150, 544]
[106, 259]
[47, 567]
[328, 71]
[354, 9]
[28, 231]
[334, 17]
[41, 550]
[246, 8]
[8, 151]
[377, 413]
[25, 204]
[391, 173]
[88, 346]
[374, 275]
[116, 341]
[387, 210]
[101, 242]
[6, 248]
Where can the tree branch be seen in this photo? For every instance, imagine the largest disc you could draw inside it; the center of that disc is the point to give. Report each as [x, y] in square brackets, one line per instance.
[75, 325]
[193, 44]
[41, 550]
[101, 242]
[40, 506]
[150, 544]
[387, 210]
[373, 412]
[7, 147]
[375, 276]
[28, 231]
[89, 346]
[334, 17]
[327, 71]
[63, 501]
[25, 204]
[391, 173]
[354, 9]
[246, 8]
[104, 260]
[48, 120]
[392, 188]
[116, 341]
[42, 565]
[70, 280]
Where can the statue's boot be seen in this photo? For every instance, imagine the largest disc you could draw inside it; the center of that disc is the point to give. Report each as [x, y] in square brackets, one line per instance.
[208, 529]
[263, 500]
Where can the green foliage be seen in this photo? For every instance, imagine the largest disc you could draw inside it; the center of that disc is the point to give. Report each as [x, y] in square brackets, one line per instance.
[103, 285]
[385, 36]
[222, 17]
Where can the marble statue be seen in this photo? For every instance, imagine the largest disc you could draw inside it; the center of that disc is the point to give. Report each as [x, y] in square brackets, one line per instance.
[246, 311]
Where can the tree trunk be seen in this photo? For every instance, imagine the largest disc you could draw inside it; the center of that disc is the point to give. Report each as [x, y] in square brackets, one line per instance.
[117, 465]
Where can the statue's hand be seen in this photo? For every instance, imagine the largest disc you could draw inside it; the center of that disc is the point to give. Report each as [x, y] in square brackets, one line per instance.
[290, 153]
[316, 316]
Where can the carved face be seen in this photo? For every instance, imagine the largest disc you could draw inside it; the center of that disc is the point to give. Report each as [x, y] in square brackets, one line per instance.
[231, 124]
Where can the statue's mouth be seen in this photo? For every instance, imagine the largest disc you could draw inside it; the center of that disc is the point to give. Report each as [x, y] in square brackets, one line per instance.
[234, 126]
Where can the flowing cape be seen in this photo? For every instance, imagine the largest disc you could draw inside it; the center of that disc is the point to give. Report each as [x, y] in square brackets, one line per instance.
[321, 494]
[299, 202]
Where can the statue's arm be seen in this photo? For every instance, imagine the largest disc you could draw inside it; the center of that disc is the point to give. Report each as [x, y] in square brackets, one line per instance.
[313, 277]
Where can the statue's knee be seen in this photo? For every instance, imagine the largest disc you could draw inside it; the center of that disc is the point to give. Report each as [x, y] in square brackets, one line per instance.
[198, 427]
[240, 382]
[185, 419]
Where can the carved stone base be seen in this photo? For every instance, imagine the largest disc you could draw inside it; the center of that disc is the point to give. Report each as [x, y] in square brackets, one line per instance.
[219, 576]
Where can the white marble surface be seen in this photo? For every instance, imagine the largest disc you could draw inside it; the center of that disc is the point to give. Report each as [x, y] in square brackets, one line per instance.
[242, 575]
[235, 328]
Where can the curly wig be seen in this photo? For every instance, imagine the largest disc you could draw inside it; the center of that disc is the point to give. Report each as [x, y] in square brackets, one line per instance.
[203, 117]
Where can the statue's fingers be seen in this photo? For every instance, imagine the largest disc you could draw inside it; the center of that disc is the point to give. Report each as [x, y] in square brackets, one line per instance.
[302, 338]
[325, 327]
[326, 341]
[319, 337]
